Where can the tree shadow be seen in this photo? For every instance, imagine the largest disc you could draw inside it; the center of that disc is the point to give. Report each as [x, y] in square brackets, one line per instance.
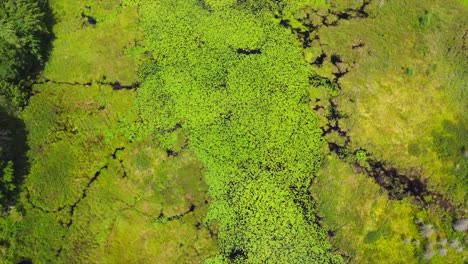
[13, 144]
[46, 39]
[32, 63]
[14, 148]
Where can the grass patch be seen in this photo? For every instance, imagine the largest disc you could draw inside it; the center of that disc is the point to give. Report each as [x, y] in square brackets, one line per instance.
[407, 77]
[368, 227]
[84, 52]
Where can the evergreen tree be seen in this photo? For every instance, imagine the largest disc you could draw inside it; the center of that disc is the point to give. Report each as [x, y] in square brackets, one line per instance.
[22, 32]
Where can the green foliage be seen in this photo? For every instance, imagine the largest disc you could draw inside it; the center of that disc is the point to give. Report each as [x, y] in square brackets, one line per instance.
[12, 148]
[69, 137]
[265, 222]
[414, 149]
[284, 6]
[17, 92]
[220, 4]
[411, 71]
[7, 177]
[7, 185]
[22, 33]
[321, 83]
[90, 194]
[452, 140]
[451, 144]
[142, 161]
[247, 118]
[375, 235]
[37, 236]
[224, 95]
[425, 20]
[361, 158]
[115, 214]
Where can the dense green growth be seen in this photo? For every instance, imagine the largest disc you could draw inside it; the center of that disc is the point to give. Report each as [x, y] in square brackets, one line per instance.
[90, 195]
[363, 220]
[23, 33]
[7, 185]
[94, 197]
[196, 131]
[13, 161]
[236, 82]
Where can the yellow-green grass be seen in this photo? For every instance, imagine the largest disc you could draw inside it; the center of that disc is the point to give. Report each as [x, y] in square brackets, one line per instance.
[137, 209]
[407, 79]
[83, 52]
[72, 132]
[370, 228]
[144, 217]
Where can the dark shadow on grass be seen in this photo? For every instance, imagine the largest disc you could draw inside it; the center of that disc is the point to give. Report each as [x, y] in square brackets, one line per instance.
[14, 148]
[46, 39]
[13, 144]
[23, 59]
[46, 46]
[50, 21]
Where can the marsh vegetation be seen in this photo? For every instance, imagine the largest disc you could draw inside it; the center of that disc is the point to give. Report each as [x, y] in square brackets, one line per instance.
[222, 131]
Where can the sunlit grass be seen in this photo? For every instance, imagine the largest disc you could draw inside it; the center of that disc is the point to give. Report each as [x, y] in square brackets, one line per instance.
[83, 52]
[405, 81]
